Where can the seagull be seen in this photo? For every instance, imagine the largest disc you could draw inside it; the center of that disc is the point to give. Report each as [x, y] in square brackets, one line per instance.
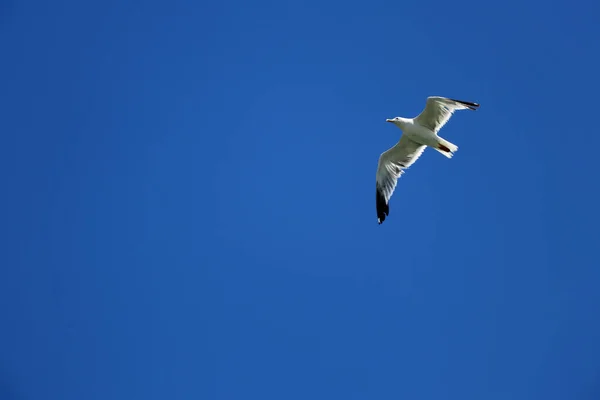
[418, 133]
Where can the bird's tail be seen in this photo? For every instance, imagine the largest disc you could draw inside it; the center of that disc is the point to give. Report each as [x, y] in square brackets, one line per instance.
[445, 147]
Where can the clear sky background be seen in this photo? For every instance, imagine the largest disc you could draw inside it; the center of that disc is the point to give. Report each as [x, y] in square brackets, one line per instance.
[188, 201]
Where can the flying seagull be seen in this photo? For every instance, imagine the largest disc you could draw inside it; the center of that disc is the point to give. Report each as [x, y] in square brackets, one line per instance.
[418, 133]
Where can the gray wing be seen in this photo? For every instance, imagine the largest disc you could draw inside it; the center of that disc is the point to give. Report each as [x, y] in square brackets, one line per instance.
[438, 111]
[391, 165]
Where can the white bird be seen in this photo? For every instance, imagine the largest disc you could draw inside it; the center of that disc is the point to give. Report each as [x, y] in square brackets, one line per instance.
[418, 133]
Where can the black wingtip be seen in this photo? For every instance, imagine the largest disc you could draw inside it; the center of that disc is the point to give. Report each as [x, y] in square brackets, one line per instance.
[383, 207]
[469, 104]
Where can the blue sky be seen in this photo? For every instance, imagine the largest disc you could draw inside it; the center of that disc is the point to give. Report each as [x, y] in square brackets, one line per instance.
[188, 206]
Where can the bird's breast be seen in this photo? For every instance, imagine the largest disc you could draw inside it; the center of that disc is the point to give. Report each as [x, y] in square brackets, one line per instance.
[420, 134]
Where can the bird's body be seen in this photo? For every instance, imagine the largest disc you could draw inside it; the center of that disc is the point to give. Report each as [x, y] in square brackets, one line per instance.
[418, 134]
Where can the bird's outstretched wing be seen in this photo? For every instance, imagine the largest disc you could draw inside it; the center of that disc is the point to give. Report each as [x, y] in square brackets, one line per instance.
[438, 111]
[391, 165]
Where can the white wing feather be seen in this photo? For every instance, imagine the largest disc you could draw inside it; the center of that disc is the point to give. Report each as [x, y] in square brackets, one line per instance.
[390, 167]
[438, 111]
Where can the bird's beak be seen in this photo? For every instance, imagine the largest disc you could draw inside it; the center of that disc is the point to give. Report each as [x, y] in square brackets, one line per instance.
[389, 120]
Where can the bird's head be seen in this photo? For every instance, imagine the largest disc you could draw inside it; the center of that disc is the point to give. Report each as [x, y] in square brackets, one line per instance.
[396, 121]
